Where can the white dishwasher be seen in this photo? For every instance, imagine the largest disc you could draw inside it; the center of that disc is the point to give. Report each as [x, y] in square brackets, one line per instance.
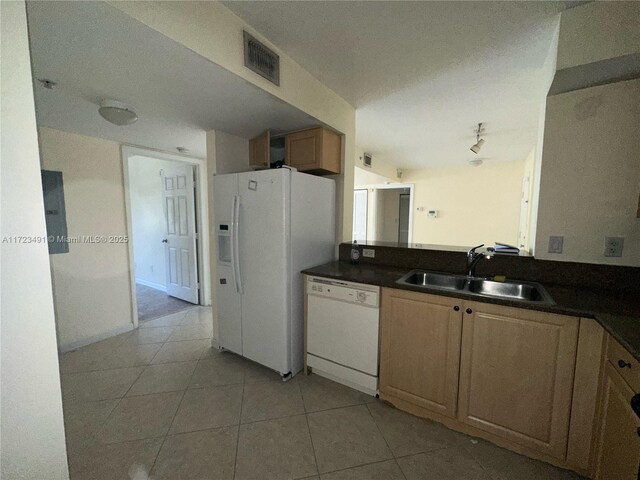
[342, 332]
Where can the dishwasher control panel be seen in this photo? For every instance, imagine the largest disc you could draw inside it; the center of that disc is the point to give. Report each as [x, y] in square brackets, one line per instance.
[366, 295]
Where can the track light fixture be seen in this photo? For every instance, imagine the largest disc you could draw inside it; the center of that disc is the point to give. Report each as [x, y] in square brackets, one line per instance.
[479, 141]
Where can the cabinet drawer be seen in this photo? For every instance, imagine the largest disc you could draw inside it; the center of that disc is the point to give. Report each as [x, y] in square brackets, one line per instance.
[624, 363]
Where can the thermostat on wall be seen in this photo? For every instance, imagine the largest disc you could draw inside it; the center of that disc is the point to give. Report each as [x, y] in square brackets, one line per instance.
[432, 213]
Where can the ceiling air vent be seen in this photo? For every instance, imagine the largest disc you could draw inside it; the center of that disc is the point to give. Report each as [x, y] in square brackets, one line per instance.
[261, 59]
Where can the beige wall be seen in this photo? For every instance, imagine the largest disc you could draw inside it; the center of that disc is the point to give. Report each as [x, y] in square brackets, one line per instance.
[378, 166]
[92, 288]
[475, 204]
[213, 31]
[32, 431]
[590, 179]
[212, 170]
[364, 177]
[598, 31]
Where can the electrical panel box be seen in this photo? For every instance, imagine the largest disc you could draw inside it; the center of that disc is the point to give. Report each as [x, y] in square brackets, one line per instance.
[54, 210]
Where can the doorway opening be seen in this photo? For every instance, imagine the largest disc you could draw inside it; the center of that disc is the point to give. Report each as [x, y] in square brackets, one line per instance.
[404, 210]
[166, 213]
[383, 213]
[360, 209]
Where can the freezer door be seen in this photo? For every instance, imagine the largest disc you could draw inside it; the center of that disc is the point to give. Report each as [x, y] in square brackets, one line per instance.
[228, 296]
[264, 267]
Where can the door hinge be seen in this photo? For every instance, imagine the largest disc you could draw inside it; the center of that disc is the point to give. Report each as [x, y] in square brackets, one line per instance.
[197, 236]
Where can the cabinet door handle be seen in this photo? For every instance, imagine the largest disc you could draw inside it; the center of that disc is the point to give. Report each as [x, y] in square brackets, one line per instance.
[469, 311]
[456, 308]
[623, 364]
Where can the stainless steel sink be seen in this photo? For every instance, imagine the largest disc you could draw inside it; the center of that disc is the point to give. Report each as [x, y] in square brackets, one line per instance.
[435, 280]
[528, 292]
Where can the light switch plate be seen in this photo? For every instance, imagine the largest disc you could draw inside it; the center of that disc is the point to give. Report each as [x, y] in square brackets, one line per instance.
[613, 246]
[368, 253]
[555, 243]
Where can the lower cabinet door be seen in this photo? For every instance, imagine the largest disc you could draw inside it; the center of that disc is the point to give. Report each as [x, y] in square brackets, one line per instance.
[619, 446]
[420, 349]
[516, 375]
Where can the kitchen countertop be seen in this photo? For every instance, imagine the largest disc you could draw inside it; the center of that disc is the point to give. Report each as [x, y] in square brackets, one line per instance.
[619, 314]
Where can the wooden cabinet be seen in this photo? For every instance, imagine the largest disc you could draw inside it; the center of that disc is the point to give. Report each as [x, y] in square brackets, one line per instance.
[516, 375]
[316, 150]
[524, 379]
[259, 151]
[619, 429]
[420, 350]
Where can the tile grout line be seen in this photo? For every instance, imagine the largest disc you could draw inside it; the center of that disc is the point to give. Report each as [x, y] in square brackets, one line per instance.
[166, 434]
[235, 460]
[173, 419]
[484, 469]
[395, 459]
[313, 447]
[362, 465]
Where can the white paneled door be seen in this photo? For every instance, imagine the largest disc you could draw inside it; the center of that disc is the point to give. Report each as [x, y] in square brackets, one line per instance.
[180, 240]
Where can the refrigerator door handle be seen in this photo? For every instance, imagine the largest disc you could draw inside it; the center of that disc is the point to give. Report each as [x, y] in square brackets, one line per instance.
[233, 242]
[236, 243]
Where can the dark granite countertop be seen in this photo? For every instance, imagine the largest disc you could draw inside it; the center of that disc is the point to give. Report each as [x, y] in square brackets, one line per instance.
[618, 313]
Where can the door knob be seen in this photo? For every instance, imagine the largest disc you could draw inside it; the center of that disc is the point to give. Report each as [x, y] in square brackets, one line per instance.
[456, 308]
[469, 311]
[164, 240]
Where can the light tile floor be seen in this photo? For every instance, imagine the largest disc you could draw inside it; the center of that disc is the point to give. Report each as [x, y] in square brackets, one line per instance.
[160, 403]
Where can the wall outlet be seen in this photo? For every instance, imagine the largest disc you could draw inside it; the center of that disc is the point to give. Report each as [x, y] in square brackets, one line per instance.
[555, 243]
[613, 246]
[368, 253]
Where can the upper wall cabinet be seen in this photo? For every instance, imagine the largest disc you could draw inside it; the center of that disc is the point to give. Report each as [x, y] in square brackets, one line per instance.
[259, 151]
[317, 150]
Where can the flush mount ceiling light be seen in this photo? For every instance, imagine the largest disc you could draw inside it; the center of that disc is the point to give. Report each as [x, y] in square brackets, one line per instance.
[479, 141]
[117, 112]
[475, 162]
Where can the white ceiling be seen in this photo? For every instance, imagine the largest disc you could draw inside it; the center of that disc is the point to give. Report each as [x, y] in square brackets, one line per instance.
[423, 74]
[94, 51]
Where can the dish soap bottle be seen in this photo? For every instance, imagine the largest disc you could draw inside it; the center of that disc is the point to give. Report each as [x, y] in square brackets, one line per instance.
[355, 253]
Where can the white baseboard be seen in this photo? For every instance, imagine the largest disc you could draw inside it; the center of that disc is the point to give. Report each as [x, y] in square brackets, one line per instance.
[67, 347]
[147, 283]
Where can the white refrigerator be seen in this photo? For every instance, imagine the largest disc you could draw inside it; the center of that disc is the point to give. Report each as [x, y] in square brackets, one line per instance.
[270, 225]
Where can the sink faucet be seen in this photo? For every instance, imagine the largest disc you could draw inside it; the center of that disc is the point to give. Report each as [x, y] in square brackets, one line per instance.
[473, 258]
